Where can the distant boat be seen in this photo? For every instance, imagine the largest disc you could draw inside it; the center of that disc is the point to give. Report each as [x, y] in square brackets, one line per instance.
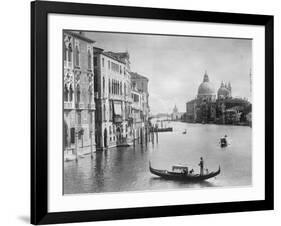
[126, 143]
[223, 142]
[184, 132]
[168, 129]
[183, 176]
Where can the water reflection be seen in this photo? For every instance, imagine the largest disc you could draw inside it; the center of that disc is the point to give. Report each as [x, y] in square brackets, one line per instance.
[181, 183]
[126, 168]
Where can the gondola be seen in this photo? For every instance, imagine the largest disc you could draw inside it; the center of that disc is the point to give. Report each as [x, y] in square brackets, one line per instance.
[171, 175]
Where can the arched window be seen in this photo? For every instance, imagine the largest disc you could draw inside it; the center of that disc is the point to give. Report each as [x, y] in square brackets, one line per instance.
[114, 88]
[77, 61]
[69, 53]
[65, 93]
[95, 83]
[89, 59]
[78, 92]
[70, 93]
[104, 113]
[64, 52]
[90, 94]
[110, 110]
[103, 84]
[109, 88]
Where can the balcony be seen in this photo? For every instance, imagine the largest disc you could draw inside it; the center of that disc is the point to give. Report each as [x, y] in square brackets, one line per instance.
[117, 119]
[128, 98]
[117, 97]
[92, 106]
[79, 106]
[67, 64]
[136, 106]
[68, 105]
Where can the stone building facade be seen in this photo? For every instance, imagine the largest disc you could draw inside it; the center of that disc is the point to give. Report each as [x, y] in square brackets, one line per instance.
[113, 98]
[105, 104]
[78, 91]
[140, 106]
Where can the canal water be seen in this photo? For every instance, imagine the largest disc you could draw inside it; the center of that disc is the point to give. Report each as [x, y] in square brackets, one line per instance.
[126, 168]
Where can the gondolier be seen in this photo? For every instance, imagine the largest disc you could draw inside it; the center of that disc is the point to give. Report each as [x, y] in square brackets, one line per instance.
[201, 164]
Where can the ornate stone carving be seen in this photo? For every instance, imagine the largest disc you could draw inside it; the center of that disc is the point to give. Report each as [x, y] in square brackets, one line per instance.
[68, 41]
[91, 82]
[68, 78]
[77, 75]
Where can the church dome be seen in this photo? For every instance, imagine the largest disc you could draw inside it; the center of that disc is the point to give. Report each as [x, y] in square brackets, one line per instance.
[206, 88]
[224, 91]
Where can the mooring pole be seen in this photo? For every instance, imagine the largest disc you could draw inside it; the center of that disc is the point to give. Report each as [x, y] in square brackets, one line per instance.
[76, 146]
[134, 137]
[157, 134]
[91, 132]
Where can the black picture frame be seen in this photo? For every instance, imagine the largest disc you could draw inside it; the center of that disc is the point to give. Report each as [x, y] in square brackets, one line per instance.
[39, 112]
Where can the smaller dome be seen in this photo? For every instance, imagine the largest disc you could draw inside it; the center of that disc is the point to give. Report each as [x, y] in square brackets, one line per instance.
[223, 92]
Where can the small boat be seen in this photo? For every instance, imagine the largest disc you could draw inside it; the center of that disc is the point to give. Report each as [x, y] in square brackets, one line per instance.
[126, 143]
[183, 176]
[223, 142]
[184, 132]
[168, 129]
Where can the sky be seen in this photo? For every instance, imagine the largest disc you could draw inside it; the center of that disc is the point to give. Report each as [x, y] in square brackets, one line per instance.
[175, 65]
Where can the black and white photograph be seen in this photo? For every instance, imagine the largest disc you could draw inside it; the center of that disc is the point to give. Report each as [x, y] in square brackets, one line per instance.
[147, 112]
[123, 113]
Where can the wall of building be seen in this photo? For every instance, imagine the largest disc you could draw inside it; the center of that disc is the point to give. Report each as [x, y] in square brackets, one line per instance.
[114, 101]
[79, 105]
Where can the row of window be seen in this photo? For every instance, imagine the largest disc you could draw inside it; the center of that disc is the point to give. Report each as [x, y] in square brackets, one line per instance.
[126, 112]
[115, 87]
[68, 94]
[111, 66]
[67, 56]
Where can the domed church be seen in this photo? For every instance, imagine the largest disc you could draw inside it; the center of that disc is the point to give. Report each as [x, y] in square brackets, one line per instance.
[206, 90]
[224, 109]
